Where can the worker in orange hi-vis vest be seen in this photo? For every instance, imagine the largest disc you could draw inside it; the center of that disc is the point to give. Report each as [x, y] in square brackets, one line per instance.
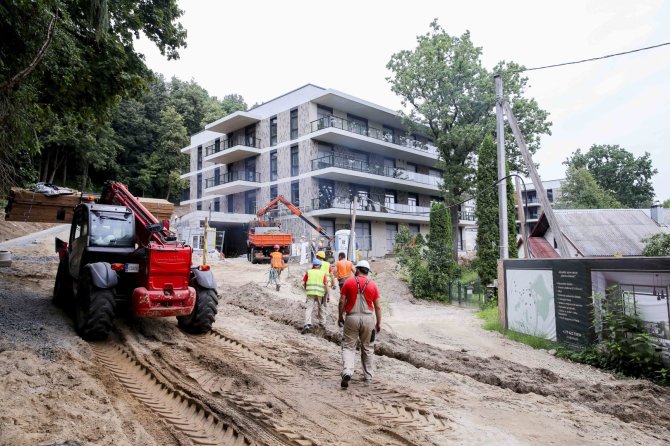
[277, 260]
[344, 269]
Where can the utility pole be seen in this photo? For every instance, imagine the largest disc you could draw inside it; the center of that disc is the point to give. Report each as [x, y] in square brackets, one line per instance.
[539, 187]
[502, 169]
[351, 249]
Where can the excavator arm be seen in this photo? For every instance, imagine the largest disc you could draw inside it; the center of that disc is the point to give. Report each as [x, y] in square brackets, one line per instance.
[293, 208]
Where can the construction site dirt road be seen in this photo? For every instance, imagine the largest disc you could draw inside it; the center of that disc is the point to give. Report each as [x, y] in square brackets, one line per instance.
[256, 380]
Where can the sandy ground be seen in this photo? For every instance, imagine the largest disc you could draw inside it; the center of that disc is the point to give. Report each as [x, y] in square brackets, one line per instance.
[440, 379]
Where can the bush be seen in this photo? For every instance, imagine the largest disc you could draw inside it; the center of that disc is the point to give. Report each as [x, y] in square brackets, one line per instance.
[625, 345]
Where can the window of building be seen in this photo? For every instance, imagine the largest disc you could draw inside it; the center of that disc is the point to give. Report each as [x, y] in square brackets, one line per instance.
[199, 159]
[295, 193]
[294, 123]
[391, 231]
[231, 203]
[217, 175]
[390, 199]
[273, 165]
[388, 134]
[273, 131]
[532, 213]
[273, 192]
[357, 124]
[389, 166]
[435, 173]
[412, 201]
[250, 136]
[414, 229]
[328, 226]
[217, 205]
[323, 111]
[550, 195]
[250, 169]
[198, 181]
[411, 167]
[531, 196]
[295, 161]
[326, 193]
[250, 202]
[363, 235]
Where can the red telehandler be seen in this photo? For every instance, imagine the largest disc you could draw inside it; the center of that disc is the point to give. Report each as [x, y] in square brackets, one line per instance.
[119, 256]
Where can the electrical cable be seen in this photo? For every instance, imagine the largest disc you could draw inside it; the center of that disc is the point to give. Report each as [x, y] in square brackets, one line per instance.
[591, 59]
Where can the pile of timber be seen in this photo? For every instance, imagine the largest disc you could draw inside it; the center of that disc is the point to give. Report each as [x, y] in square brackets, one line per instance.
[29, 206]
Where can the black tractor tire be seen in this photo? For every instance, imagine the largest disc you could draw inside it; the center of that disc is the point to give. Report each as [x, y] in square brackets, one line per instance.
[254, 260]
[62, 295]
[204, 312]
[94, 311]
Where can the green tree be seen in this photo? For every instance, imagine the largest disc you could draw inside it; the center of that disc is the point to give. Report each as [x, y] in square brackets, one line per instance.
[618, 172]
[657, 245]
[488, 238]
[451, 97]
[581, 191]
[69, 63]
[441, 266]
[666, 203]
[167, 157]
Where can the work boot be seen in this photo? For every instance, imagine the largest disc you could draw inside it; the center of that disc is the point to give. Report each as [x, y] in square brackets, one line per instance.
[345, 381]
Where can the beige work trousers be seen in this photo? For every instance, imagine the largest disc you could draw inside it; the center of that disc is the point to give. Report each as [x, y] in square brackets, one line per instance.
[358, 326]
[319, 304]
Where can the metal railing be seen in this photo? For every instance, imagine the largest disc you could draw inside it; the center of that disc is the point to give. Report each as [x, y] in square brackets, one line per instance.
[225, 144]
[343, 162]
[372, 132]
[373, 203]
[229, 177]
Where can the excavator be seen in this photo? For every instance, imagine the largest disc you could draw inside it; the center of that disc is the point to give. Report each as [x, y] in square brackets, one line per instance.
[263, 236]
[120, 258]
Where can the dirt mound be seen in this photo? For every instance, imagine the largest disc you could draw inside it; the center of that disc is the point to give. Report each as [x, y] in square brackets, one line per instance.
[639, 401]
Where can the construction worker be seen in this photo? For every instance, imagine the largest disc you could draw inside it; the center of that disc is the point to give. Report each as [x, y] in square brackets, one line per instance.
[344, 269]
[277, 260]
[315, 283]
[327, 269]
[359, 300]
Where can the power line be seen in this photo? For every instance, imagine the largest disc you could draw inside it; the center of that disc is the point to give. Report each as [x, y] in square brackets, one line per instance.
[592, 59]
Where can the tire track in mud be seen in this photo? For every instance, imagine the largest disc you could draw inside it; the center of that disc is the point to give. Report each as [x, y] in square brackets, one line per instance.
[637, 401]
[185, 414]
[376, 402]
[259, 410]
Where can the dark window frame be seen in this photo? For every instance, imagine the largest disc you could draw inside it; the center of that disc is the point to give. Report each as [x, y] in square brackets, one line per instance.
[274, 162]
[295, 192]
[231, 204]
[274, 191]
[295, 156]
[273, 131]
[293, 120]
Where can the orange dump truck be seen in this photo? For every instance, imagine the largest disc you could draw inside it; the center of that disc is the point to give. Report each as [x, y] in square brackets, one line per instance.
[262, 240]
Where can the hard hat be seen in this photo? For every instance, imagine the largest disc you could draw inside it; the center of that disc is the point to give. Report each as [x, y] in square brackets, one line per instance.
[363, 264]
[276, 247]
[316, 262]
[321, 255]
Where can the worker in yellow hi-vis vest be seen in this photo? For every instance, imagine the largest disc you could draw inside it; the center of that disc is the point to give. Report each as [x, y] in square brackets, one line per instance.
[326, 268]
[316, 288]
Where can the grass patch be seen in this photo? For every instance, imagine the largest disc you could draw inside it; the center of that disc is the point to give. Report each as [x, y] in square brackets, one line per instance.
[468, 275]
[490, 317]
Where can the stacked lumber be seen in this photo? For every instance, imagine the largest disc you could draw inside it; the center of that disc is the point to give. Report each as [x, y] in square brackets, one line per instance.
[28, 206]
[161, 209]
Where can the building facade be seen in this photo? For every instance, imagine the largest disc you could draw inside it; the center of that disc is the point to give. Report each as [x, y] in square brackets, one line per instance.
[531, 203]
[318, 148]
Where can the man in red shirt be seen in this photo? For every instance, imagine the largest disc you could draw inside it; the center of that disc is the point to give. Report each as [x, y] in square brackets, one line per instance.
[359, 300]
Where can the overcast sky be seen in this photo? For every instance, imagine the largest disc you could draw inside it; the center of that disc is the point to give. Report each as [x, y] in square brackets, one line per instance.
[262, 49]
